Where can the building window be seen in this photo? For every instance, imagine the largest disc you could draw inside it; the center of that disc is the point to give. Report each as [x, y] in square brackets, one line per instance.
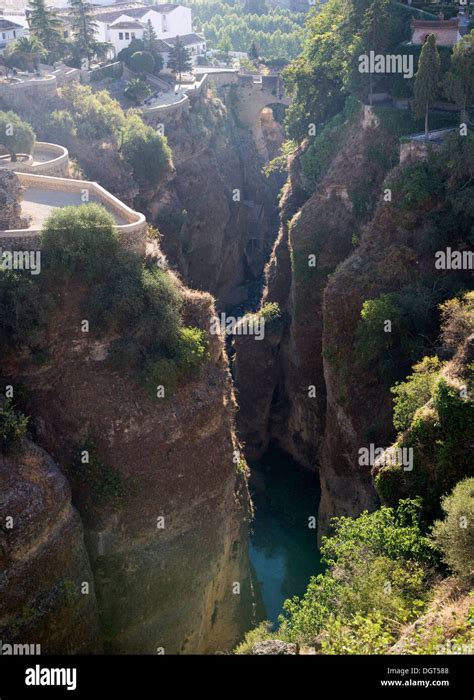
[127, 35]
[133, 35]
[121, 36]
[3, 35]
[14, 33]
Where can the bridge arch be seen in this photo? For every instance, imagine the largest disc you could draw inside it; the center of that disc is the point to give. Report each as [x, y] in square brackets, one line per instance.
[256, 93]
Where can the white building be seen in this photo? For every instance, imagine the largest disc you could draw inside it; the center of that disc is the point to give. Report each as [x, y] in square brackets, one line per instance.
[9, 31]
[120, 26]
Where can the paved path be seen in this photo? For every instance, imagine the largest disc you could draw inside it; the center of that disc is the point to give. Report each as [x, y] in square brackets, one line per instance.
[40, 203]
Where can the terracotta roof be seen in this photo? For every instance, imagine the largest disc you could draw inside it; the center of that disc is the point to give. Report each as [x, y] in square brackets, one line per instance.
[109, 17]
[435, 24]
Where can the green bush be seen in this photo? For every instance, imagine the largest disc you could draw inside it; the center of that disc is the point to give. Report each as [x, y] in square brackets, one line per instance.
[411, 313]
[441, 434]
[147, 153]
[190, 350]
[317, 158]
[454, 535]
[96, 114]
[271, 313]
[141, 62]
[415, 391]
[80, 241]
[13, 425]
[23, 312]
[161, 373]
[92, 480]
[16, 135]
[378, 566]
[261, 633]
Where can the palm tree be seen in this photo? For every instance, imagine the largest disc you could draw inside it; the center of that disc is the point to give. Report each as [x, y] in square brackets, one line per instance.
[28, 51]
[103, 50]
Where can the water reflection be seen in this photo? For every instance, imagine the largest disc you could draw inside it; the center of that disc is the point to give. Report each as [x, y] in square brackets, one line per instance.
[283, 549]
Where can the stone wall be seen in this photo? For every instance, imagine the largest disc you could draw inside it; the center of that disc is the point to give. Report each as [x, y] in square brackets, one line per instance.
[57, 163]
[133, 232]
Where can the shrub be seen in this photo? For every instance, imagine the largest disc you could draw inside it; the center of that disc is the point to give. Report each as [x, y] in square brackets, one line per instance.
[190, 350]
[16, 135]
[22, 312]
[141, 62]
[137, 90]
[161, 373]
[261, 633]
[454, 535]
[147, 153]
[62, 125]
[457, 320]
[96, 115]
[92, 479]
[80, 240]
[391, 349]
[377, 573]
[13, 425]
[316, 160]
[415, 391]
[441, 434]
[271, 313]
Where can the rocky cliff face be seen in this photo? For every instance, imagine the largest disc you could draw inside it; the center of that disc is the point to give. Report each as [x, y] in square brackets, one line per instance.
[10, 197]
[217, 214]
[46, 584]
[286, 400]
[300, 389]
[164, 508]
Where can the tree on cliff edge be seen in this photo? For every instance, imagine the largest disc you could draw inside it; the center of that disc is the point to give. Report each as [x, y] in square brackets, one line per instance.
[179, 59]
[427, 79]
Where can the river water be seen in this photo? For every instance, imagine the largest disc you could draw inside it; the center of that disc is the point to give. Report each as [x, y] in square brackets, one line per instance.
[283, 549]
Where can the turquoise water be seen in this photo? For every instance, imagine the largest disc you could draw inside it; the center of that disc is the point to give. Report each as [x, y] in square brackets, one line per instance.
[283, 549]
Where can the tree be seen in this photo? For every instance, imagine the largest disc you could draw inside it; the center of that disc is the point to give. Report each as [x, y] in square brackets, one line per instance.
[16, 135]
[454, 535]
[151, 44]
[150, 39]
[137, 90]
[141, 62]
[427, 79]
[84, 26]
[145, 151]
[375, 34]
[459, 80]
[179, 59]
[27, 51]
[45, 25]
[253, 52]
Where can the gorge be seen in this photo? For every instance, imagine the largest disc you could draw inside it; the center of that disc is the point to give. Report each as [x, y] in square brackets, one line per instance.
[167, 486]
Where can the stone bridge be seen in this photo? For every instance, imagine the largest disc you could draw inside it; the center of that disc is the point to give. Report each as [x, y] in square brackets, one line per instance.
[255, 93]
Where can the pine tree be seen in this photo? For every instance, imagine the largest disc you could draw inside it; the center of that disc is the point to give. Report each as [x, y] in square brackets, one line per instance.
[459, 81]
[45, 25]
[179, 59]
[150, 39]
[427, 79]
[253, 52]
[374, 34]
[151, 44]
[83, 25]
